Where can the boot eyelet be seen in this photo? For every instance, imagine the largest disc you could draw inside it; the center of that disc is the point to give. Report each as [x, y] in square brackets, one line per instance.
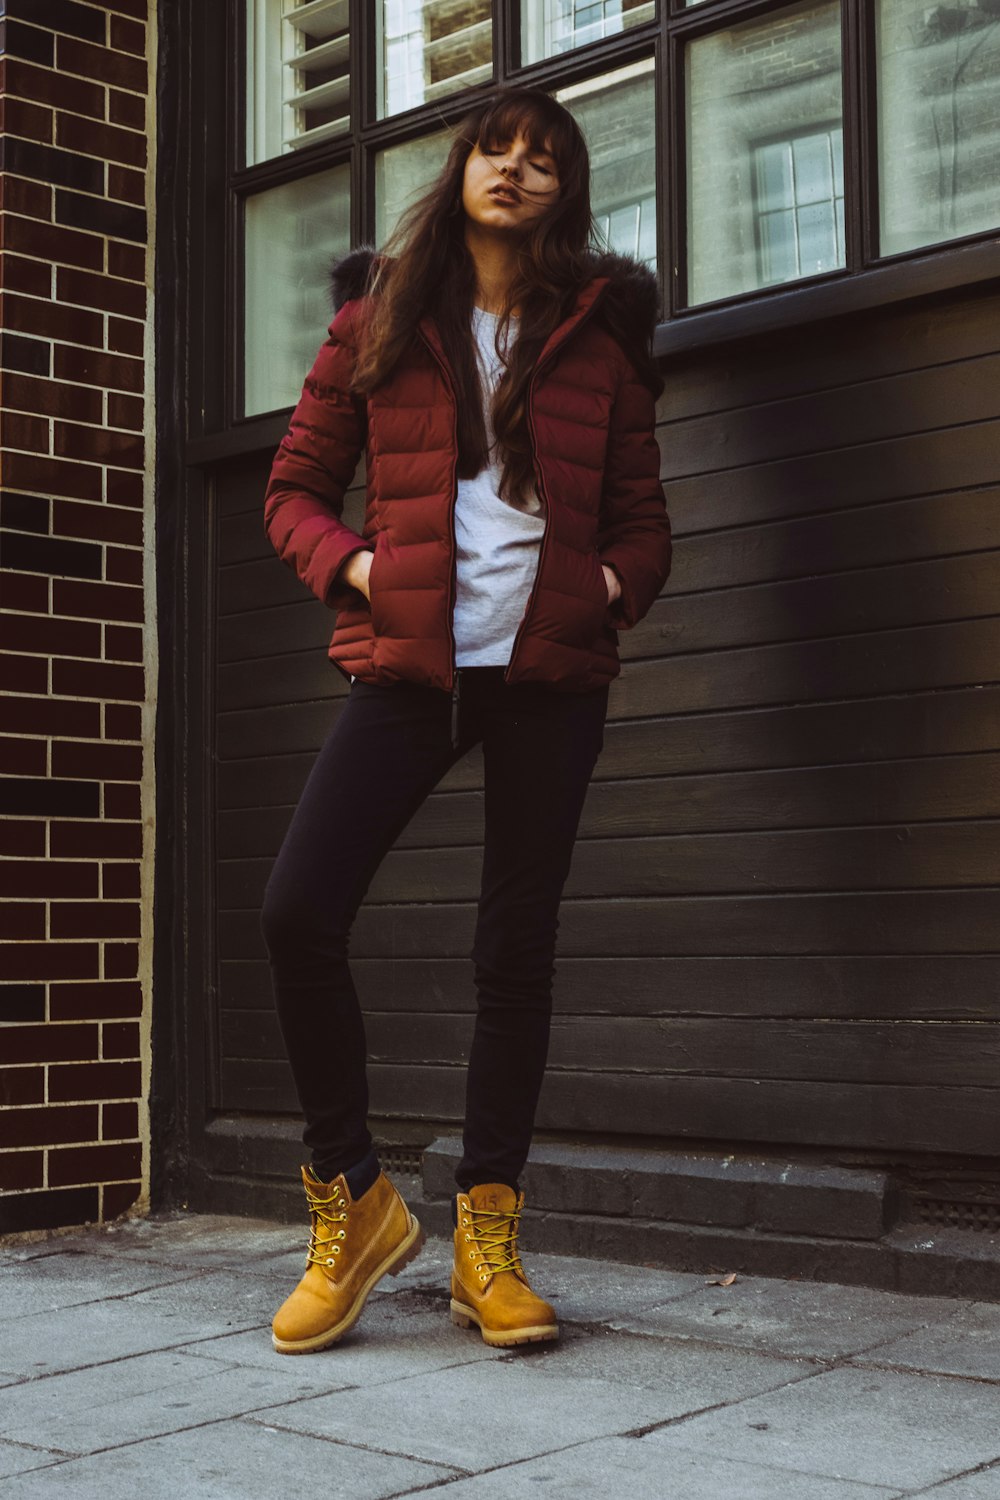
[329, 1260]
[472, 1254]
[484, 1278]
[468, 1236]
[336, 1249]
[341, 1234]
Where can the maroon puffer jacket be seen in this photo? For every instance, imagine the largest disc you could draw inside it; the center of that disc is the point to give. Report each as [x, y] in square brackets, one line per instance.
[597, 462]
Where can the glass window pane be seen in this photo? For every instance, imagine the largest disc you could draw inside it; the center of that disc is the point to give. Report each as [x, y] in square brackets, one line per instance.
[402, 173]
[430, 48]
[616, 113]
[939, 121]
[764, 137]
[292, 233]
[549, 27]
[298, 75]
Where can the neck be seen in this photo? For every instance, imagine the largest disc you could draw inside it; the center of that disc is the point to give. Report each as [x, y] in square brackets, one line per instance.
[495, 259]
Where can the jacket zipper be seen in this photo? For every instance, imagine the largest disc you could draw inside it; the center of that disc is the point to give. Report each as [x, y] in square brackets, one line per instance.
[453, 586]
[541, 489]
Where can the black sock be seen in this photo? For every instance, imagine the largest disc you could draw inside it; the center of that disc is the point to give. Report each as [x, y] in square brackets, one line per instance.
[363, 1175]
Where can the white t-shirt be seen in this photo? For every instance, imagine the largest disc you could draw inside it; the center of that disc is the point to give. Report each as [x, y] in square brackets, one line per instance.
[497, 545]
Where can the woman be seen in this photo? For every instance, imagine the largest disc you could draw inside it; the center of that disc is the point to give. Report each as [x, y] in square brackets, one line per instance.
[497, 375]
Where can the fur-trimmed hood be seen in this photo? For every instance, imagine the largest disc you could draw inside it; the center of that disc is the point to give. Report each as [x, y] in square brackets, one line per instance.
[631, 299]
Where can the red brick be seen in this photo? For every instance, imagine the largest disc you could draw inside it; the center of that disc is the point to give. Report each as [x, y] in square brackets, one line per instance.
[126, 185]
[92, 61]
[30, 121]
[94, 1164]
[119, 1041]
[47, 635]
[128, 36]
[46, 86]
[118, 999]
[22, 758]
[121, 882]
[43, 716]
[48, 320]
[117, 1198]
[69, 1081]
[91, 367]
[79, 761]
[122, 565]
[109, 293]
[127, 109]
[122, 721]
[47, 877]
[128, 261]
[20, 195]
[98, 445]
[122, 644]
[20, 837]
[20, 1170]
[119, 1122]
[123, 801]
[126, 337]
[98, 601]
[27, 433]
[125, 411]
[51, 476]
[21, 1086]
[104, 919]
[40, 961]
[24, 674]
[52, 242]
[49, 1044]
[125, 489]
[97, 840]
[47, 1126]
[96, 139]
[121, 960]
[31, 393]
[97, 523]
[19, 274]
[98, 680]
[22, 921]
[19, 591]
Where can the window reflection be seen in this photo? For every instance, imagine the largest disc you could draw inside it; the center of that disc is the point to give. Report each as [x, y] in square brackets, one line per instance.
[430, 48]
[549, 27]
[616, 113]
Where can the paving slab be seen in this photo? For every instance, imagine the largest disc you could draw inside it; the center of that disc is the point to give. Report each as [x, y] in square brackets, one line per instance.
[966, 1343]
[521, 1404]
[820, 1319]
[232, 1461]
[984, 1484]
[870, 1426]
[395, 1337]
[192, 1239]
[45, 1283]
[148, 1396]
[18, 1458]
[647, 1471]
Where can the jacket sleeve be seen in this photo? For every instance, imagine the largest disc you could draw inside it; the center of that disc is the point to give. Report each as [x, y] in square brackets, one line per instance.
[634, 534]
[314, 466]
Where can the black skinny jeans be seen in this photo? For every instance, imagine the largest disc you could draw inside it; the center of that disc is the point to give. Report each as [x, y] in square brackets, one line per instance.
[388, 750]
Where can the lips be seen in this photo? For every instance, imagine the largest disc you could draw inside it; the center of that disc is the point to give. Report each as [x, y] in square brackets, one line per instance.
[506, 195]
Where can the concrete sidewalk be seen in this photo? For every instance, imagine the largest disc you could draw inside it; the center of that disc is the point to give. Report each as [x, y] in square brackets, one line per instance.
[136, 1360]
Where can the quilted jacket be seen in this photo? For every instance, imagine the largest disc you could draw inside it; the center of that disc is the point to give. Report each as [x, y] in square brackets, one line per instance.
[591, 420]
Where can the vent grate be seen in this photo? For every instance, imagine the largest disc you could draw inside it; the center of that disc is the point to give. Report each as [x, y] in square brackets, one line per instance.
[403, 1159]
[954, 1214]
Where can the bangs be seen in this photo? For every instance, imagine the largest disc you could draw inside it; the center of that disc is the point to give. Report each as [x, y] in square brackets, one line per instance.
[544, 130]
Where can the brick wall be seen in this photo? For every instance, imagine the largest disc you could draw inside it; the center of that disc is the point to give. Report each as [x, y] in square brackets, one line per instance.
[76, 651]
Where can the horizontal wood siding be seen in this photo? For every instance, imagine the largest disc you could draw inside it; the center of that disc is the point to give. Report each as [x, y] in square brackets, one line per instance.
[781, 922]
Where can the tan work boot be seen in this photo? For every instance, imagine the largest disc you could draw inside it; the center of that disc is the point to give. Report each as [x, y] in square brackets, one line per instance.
[489, 1285]
[351, 1245]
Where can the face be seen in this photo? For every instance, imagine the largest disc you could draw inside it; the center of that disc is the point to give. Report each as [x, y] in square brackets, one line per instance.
[508, 184]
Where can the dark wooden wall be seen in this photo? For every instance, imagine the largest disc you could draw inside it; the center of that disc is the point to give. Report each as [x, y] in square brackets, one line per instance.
[783, 919]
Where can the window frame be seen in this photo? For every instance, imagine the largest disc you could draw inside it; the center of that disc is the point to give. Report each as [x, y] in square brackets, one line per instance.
[866, 281]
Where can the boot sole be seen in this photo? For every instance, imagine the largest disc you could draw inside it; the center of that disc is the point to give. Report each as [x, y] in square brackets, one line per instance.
[406, 1251]
[464, 1316]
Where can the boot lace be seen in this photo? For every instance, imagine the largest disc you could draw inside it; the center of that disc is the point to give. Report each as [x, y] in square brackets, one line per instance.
[322, 1250]
[497, 1241]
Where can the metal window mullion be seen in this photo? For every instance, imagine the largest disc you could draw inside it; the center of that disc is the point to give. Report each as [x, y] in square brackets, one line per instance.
[506, 38]
[857, 173]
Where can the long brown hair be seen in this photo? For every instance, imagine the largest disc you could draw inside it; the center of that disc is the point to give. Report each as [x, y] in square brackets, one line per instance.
[426, 268]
